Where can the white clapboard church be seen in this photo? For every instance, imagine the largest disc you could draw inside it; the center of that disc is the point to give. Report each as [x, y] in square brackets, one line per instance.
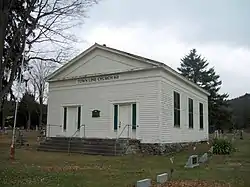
[108, 93]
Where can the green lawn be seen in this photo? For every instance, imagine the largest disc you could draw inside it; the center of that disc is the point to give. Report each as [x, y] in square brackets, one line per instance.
[39, 169]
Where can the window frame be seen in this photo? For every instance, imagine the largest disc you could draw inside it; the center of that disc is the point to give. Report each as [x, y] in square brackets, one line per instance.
[115, 116]
[134, 116]
[201, 115]
[65, 113]
[79, 117]
[177, 109]
[190, 113]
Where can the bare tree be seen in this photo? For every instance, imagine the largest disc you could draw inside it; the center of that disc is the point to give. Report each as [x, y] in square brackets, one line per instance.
[38, 27]
[38, 71]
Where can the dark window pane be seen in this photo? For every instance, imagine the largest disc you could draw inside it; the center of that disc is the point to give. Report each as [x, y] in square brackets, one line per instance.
[64, 118]
[190, 113]
[201, 116]
[134, 116]
[191, 120]
[79, 118]
[179, 118]
[115, 117]
[201, 108]
[190, 105]
[176, 118]
[201, 122]
[176, 109]
[178, 100]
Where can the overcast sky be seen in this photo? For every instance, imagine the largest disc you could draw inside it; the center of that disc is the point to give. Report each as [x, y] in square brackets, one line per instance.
[165, 30]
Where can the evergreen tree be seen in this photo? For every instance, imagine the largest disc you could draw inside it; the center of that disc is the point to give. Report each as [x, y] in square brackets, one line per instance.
[28, 107]
[195, 68]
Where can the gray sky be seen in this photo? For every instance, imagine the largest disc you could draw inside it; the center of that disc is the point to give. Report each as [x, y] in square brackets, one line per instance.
[166, 30]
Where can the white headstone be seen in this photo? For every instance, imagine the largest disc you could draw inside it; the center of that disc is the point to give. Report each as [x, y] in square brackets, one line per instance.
[216, 134]
[192, 161]
[203, 158]
[162, 178]
[143, 183]
[211, 149]
[5, 130]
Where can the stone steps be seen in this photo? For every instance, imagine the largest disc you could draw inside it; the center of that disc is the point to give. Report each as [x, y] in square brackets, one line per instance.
[90, 146]
[82, 148]
[80, 152]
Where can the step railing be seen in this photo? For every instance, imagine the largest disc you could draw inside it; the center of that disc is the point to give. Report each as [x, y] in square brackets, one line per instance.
[117, 138]
[78, 130]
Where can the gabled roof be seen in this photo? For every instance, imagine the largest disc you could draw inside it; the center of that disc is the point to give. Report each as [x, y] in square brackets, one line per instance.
[129, 55]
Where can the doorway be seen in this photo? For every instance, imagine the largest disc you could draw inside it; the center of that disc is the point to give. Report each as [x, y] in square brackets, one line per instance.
[125, 119]
[71, 122]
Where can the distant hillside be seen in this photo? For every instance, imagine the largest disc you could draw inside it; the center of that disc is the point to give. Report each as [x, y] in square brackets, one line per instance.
[241, 111]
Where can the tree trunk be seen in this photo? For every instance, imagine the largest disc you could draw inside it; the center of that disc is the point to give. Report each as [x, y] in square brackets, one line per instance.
[40, 111]
[3, 25]
[3, 117]
[29, 120]
[2, 113]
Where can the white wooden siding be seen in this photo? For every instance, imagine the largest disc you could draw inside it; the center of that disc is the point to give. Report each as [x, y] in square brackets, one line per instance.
[101, 96]
[151, 89]
[169, 133]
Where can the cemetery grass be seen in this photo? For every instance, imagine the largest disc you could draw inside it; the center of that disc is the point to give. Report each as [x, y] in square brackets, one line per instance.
[39, 169]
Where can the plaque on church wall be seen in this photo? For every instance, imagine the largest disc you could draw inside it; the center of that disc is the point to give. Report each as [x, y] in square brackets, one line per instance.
[95, 113]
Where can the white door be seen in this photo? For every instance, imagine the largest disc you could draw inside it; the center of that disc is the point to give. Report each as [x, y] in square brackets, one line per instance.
[124, 126]
[71, 121]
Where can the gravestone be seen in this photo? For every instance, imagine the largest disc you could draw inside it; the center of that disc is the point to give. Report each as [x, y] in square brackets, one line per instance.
[216, 134]
[192, 161]
[143, 183]
[233, 139]
[5, 130]
[20, 140]
[203, 158]
[211, 149]
[241, 134]
[162, 178]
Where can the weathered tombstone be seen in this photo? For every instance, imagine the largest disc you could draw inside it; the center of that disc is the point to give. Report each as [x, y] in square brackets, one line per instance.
[162, 178]
[203, 158]
[192, 161]
[241, 134]
[143, 183]
[20, 138]
[5, 130]
[211, 149]
[219, 134]
[216, 134]
[233, 139]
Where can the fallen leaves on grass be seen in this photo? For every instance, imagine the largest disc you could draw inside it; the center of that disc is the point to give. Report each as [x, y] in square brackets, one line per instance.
[193, 183]
[60, 169]
[234, 164]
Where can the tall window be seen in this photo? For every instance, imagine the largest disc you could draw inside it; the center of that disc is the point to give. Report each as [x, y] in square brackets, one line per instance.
[177, 109]
[201, 116]
[190, 113]
[64, 118]
[79, 109]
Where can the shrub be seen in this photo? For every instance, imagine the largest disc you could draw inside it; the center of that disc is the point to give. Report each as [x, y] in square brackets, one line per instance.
[222, 147]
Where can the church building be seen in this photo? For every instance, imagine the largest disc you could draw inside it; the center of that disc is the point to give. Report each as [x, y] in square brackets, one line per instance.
[108, 93]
